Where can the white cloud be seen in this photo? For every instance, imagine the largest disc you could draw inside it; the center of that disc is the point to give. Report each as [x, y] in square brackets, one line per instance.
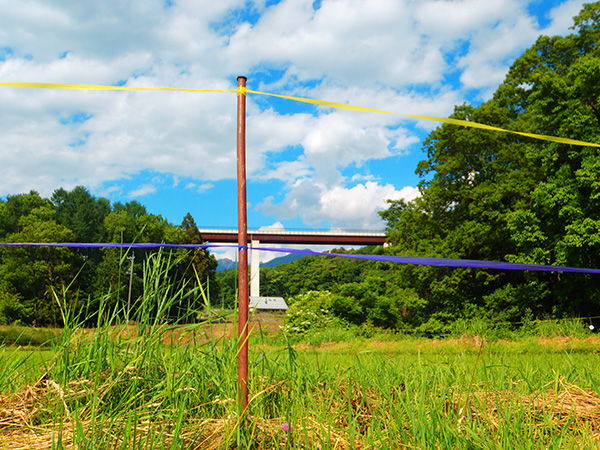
[340, 207]
[334, 141]
[125, 134]
[561, 17]
[491, 51]
[389, 55]
[359, 204]
[278, 226]
[349, 41]
[225, 253]
[112, 28]
[142, 190]
[108, 191]
[451, 20]
[204, 187]
[288, 171]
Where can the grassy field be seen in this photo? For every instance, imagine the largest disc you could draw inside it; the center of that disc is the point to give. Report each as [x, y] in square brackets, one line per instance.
[153, 387]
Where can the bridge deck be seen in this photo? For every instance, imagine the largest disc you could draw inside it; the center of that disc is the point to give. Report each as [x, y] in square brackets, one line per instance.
[297, 237]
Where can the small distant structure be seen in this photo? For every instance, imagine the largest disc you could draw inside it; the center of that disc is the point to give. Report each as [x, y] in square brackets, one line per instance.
[268, 304]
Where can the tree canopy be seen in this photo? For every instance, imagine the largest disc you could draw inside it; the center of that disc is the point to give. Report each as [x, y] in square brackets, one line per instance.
[493, 196]
[490, 196]
[29, 276]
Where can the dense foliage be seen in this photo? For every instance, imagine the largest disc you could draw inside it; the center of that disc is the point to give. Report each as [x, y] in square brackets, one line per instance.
[362, 292]
[30, 277]
[502, 197]
[484, 195]
[489, 196]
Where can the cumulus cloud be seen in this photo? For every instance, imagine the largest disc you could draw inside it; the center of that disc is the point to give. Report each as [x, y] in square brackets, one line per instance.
[390, 55]
[347, 41]
[561, 17]
[339, 207]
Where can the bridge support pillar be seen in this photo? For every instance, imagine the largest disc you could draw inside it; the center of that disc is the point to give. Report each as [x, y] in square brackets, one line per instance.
[255, 269]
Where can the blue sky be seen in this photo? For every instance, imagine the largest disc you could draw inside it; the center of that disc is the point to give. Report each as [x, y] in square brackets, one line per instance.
[308, 167]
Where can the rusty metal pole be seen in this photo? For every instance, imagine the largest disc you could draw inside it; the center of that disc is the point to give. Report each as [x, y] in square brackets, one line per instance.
[243, 243]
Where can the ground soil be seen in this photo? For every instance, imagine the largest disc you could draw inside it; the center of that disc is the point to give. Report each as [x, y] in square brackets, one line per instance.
[265, 323]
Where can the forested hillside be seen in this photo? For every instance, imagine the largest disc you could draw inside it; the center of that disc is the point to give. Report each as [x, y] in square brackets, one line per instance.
[311, 273]
[30, 275]
[361, 291]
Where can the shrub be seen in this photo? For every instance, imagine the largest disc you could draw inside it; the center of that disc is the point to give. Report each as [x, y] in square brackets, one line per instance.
[551, 328]
[11, 308]
[310, 312]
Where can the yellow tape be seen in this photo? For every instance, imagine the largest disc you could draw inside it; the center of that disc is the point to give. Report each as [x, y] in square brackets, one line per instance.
[323, 103]
[542, 137]
[244, 91]
[95, 87]
[459, 122]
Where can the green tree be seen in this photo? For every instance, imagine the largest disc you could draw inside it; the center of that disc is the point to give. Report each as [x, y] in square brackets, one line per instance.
[312, 273]
[501, 197]
[34, 274]
[15, 207]
[197, 264]
[128, 223]
[82, 213]
[228, 288]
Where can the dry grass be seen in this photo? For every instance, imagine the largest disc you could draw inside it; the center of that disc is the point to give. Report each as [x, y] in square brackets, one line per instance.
[208, 332]
[205, 434]
[333, 412]
[566, 408]
[22, 425]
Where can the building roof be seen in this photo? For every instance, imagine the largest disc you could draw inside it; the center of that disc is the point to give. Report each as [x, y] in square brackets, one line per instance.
[268, 303]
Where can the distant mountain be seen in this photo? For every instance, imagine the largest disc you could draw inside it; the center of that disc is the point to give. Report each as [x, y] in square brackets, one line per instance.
[282, 260]
[226, 263]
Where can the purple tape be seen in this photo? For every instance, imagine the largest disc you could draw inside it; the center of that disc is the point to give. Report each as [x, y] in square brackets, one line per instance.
[441, 262]
[105, 245]
[414, 260]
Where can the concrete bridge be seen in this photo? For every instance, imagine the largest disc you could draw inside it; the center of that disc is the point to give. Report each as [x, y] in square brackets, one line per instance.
[306, 237]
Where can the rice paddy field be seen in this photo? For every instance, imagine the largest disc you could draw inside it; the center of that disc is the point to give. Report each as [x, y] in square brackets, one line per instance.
[155, 387]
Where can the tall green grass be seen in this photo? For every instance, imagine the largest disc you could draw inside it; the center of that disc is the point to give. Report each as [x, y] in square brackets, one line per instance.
[124, 386]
